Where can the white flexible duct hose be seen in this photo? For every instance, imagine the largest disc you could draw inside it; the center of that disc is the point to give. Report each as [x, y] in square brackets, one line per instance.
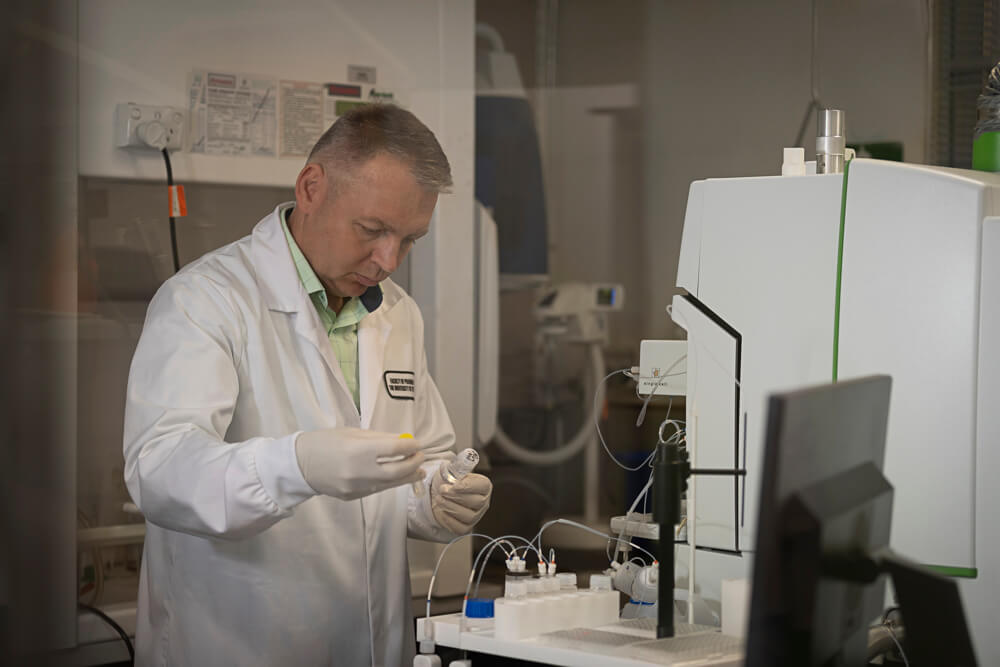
[579, 441]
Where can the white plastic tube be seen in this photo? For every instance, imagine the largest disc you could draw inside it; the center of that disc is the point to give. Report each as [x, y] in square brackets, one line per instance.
[580, 440]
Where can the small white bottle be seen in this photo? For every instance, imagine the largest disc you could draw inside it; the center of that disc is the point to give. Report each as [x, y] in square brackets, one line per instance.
[461, 465]
[426, 657]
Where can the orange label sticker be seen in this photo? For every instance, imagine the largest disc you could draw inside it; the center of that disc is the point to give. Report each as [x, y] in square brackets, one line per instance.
[178, 205]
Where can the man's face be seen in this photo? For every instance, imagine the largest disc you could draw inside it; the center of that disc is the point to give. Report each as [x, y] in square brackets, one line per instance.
[356, 236]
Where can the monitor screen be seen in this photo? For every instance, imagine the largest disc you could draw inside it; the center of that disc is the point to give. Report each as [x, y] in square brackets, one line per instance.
[824, 508]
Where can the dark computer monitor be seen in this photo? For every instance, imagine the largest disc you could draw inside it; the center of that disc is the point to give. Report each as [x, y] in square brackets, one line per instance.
[825, 509]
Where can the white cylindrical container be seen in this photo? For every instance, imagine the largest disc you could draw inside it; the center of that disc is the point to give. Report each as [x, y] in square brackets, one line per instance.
[533, 616]
[508, 619]
[570, 602]
[567, 581]
[610, 607]
[587, 613]
[515, 587]
[735, 606]
[579, 609]
[606, 606]
[565, 612]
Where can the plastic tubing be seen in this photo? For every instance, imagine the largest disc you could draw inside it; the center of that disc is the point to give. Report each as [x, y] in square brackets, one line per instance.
[499, 541]
[579, 441]
[491, 546]
[538, 549]
[434, 574]
[468, 587]
[568, 522]
[631, 509]
[494, 541]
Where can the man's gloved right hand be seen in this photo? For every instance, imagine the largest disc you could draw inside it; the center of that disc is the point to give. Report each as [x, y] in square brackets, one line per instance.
[341, 462]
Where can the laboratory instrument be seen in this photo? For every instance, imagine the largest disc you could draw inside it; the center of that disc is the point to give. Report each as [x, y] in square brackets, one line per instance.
[818, 582]
[887, 268]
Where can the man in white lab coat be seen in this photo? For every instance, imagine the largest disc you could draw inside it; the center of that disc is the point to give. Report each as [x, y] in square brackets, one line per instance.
[266, 400]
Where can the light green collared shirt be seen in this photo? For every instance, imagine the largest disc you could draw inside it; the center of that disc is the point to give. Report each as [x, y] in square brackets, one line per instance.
[342, 328]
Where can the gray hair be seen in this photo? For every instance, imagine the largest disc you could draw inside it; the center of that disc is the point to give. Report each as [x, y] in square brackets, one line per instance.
[370, 129]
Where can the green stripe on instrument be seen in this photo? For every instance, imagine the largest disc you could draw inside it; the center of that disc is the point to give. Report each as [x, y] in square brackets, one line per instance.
[952, 571]
[840, 269]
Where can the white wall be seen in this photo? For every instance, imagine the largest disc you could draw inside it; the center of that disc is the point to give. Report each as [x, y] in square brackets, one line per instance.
[423, 50]
[726, 84]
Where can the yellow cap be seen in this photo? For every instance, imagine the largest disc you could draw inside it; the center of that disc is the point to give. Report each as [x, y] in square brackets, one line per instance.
[408, 436]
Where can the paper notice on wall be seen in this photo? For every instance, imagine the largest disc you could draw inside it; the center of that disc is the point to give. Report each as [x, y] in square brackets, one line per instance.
[308, 109]
[233, 114]
[302, 120]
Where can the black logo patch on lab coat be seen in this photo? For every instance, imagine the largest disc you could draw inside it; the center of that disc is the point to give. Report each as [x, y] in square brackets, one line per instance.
[400, 385]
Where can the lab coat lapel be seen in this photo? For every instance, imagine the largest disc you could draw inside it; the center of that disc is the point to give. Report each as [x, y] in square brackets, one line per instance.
[373, 336]
[308, 325]
[283, 291]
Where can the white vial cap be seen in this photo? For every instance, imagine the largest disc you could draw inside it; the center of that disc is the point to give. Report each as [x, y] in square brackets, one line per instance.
[795, 162]
[600, 582]
[566, 579]
[426, 646]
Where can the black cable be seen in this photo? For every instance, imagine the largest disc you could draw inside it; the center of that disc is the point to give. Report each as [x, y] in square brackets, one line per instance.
[110, 621]
[173, 227]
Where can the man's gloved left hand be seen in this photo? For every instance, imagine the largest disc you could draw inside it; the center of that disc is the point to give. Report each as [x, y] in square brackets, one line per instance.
[458, 506]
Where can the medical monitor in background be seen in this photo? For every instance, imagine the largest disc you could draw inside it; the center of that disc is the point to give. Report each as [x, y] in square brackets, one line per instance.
[825, 510]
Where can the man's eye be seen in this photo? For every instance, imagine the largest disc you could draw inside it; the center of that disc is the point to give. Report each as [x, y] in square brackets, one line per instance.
[371, 232]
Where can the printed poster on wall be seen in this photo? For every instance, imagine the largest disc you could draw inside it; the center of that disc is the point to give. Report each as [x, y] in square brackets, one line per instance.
[244, 115]
[308, 109]
[233, 114]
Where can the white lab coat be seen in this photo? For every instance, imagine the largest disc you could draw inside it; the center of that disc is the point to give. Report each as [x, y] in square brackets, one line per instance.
[243, 563]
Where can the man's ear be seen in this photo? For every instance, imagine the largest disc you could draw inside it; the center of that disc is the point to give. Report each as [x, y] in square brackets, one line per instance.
[311, 187]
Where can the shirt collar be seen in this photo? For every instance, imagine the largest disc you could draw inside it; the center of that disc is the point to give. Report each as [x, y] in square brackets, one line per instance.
[371, 299]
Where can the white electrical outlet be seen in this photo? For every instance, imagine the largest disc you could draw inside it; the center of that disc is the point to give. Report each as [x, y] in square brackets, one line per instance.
[663, 367]
[149, 127]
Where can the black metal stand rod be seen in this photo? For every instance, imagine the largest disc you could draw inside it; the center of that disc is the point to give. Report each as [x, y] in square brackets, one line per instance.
[734, 472]
[666, 512]
[665, 587]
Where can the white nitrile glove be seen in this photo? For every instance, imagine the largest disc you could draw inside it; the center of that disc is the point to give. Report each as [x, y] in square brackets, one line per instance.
[341, 462]
[458, 506]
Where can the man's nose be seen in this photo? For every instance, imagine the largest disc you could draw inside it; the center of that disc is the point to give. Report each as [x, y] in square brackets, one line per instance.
[387, 254]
